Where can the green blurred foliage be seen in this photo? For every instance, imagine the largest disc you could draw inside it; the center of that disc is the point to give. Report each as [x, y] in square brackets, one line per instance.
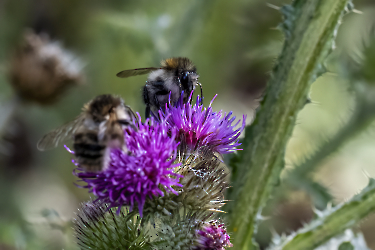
[233, 44]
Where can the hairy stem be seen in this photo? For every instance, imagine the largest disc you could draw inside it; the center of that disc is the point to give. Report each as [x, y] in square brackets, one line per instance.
[332, 222]
[309, 28]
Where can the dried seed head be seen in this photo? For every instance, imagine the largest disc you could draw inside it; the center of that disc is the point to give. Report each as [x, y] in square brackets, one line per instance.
[40, 70]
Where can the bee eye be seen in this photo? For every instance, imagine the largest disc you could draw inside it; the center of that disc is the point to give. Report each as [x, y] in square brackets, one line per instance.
[185, 80]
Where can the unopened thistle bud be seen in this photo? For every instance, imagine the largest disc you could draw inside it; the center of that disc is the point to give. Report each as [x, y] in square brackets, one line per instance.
[180, 231]
[97, 227]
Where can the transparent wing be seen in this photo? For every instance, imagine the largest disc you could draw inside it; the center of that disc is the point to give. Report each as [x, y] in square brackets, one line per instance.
[61, 134]
[135, 72]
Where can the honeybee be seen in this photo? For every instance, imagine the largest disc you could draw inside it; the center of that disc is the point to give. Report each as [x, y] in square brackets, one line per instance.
[166, 83]
[98, 128]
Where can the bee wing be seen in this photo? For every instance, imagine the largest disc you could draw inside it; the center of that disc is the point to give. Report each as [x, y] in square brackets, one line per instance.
[135, 72]
[61, 134]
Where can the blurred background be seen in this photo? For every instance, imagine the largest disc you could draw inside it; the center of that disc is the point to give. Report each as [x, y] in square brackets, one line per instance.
[57, 55]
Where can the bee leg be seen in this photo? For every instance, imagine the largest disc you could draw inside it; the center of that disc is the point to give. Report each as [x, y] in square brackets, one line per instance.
[148, 112]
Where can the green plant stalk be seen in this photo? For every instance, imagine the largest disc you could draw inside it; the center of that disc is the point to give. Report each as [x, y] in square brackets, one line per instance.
[309, 27]
[332, 222]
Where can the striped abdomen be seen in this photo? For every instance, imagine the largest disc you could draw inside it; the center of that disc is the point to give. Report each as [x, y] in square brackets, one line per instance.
[89, 151]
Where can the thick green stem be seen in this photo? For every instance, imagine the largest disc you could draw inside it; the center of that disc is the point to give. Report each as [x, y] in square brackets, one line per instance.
[309, 27]
[332, 222]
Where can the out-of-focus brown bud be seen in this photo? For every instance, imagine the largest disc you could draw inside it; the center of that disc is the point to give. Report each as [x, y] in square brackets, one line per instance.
[41, 70]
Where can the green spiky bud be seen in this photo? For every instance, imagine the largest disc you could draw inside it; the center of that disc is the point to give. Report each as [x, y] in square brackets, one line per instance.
[97, 227]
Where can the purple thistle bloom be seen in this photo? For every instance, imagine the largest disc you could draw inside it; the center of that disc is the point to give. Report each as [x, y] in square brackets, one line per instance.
[198, 126]
[130, 179]
[213, 235]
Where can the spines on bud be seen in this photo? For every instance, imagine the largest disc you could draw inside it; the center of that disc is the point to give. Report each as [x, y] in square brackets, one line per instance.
[100, 228]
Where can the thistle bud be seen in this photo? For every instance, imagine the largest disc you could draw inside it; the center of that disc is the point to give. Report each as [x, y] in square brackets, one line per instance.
[97, 227]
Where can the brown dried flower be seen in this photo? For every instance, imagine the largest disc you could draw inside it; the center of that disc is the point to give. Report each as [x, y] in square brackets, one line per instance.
[40, 69]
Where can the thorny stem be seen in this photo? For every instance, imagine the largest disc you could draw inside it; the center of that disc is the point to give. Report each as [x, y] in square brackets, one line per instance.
[333, 223]
[309, 28]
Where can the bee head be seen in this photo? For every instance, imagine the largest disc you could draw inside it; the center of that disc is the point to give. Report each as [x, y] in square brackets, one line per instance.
[184, 71]
[104, 106]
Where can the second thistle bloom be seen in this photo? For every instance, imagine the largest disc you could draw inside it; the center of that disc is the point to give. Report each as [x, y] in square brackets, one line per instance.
[148, 171]
[212, 235]
[198, 126]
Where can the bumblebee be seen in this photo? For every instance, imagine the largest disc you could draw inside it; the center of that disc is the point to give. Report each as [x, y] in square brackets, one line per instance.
[98, 128]
[167, 82]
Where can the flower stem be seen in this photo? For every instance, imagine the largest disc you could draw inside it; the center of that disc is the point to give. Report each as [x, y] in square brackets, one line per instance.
[332, 222]
[309, 28]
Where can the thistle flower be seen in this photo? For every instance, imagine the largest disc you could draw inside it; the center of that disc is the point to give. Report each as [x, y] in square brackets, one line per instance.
[198, 126]
[97, 227]
[41, 69]
[148, 170]
[205, 178]
[212, 235]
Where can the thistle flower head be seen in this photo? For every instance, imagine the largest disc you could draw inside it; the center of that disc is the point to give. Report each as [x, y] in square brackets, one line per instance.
[145, 172]
[198, 126]
[212, 235]
[205, 178]
[98, 227]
